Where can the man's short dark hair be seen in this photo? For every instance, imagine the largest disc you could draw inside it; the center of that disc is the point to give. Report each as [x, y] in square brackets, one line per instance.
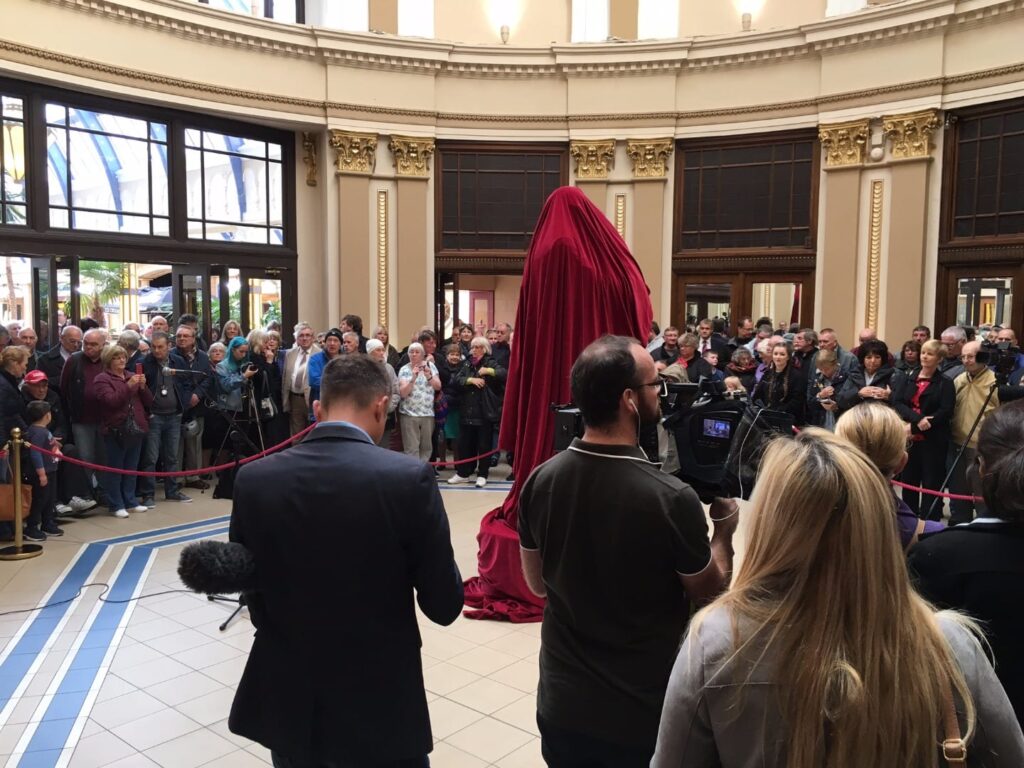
[36, 409]
[427, 336]
[599, 376]
[718, 325]
[358, 379]
[188, 319]
[161, 335]
[924, 328]
[655, 329]
[355, 322]
[810, 335]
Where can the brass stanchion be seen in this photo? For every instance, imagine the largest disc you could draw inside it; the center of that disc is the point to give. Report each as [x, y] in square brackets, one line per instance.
[20, 550]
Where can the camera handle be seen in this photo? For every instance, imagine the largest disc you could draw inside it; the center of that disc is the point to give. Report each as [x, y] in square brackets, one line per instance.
[977, 420]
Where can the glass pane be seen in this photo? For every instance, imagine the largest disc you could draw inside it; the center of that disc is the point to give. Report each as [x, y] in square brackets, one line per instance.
[158, 172]
[192, 138]
[707, 300]
[194, 183]
[274, 151]
[57, 165]
[252, 201]
[12, 153]
[223, 187]
[114, 125]
[56, 114]
[276, 193]
[161, 227]
[236, 233]
[109, 173]
[264, 301]
[779, 301]
[101, 221]
[41, 305]
[158, 132]
[984, 300]
[10, 104]
[235, 144]
[15, 214]
[59, 218]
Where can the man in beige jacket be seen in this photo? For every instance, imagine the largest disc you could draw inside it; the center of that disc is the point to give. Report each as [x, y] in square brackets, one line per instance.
[972, 392]
[294, 383]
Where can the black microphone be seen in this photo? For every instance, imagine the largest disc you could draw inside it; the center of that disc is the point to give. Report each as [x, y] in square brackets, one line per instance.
[217, 567]
[182, 372]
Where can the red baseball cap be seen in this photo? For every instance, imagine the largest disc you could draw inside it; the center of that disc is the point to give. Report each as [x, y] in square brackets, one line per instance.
[35, 377]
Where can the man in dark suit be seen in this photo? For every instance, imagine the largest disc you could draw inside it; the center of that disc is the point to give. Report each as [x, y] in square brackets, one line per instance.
[343, 534]
[52, 361]
[707, 340]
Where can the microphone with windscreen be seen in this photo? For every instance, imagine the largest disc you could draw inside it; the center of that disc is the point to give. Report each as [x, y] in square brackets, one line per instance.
[215, 567]
[167, 371]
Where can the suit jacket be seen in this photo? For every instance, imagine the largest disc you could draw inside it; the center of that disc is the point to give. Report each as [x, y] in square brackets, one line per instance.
[938, 401]
[52, 363]
[718, 345]
[344, 535]
[291, 356]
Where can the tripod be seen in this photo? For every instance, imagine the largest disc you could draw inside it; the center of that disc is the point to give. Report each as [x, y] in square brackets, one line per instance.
[240, 601]
[238, 428]
[967, 441]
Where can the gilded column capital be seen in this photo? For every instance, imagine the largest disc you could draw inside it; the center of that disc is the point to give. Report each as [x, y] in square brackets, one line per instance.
[411, 155]
[911, 134]
[593, 158]
[309, 142]
[354, 152]
[649, 157]
[845, 143]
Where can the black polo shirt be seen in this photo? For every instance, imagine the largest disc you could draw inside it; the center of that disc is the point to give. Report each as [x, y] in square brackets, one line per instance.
[614, 534]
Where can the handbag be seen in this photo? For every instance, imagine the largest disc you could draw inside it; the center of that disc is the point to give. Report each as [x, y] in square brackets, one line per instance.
[7, 502]
[129, 429]
[267, 407]
[954, 749]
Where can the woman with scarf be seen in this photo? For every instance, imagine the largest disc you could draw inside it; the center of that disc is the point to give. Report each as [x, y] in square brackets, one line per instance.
[233, 373]
[482, 382]
[744, 367]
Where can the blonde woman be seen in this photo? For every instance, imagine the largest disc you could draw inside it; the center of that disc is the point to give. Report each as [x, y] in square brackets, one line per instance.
[821, 655]
[881, 435]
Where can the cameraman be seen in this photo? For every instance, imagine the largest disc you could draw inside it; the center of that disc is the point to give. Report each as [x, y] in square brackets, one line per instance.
[1007, 359]
[620, 550]
[234, 373]
[972, 402]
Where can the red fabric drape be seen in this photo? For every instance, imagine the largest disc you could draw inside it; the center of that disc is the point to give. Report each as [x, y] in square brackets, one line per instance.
[579, 282]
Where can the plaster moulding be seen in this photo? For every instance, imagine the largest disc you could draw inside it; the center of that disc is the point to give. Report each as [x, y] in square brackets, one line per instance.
[649, 157]
[411, 155]
[355, 153]
[845, 144]
[593, 158]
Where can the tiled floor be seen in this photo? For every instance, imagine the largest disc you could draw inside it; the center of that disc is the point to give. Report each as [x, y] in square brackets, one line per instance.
[161, 694]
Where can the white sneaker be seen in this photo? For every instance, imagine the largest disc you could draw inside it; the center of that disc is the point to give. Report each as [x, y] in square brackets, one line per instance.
[120, 513]
[63, 509]
[457, 480]
[138, 508]
[481, 482]
[78, 504]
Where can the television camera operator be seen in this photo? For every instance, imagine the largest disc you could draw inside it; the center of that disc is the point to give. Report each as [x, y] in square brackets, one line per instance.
[1006, 360]
[620, 549]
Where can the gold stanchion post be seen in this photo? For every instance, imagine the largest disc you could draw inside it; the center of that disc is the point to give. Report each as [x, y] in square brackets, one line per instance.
[20, 550]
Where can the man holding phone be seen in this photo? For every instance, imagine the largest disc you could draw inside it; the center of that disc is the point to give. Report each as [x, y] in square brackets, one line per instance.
[171, 396]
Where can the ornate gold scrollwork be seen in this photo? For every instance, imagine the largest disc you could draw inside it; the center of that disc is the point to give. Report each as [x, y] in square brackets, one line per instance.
[620, 214]
[411, 155]
[382, 257]
[649, 157]
[874, 255]
[309, 142]
[911, 135]
[354, 152]
[593, 158]
[845, 143]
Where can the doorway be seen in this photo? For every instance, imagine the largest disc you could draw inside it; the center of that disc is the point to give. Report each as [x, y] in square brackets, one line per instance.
[786, 298]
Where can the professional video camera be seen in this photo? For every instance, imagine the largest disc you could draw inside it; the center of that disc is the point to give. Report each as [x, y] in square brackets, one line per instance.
[1001, 356]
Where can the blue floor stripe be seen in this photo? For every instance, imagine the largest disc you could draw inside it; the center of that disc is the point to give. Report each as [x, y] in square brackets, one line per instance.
[161, 531]
[30, 645]
[183, 539]
[52, 733]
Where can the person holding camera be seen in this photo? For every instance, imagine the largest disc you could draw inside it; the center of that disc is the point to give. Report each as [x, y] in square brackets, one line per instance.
[267, 387]
[823, 389]
[417, 382]
[620, 550]
[976, 567]
[123, 398]
[234, 373]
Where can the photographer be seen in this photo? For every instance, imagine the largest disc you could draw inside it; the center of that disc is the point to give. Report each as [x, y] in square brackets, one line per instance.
[234, 373]
[823, 390]
[417, 383]
[611, 633]
[267, 387]
[481, 382]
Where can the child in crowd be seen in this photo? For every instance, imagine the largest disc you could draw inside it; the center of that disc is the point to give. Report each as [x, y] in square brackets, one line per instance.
[43, 477]
[733, 384]
[711, 358]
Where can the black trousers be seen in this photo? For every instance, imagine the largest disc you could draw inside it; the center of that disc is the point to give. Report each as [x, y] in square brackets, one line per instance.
[280, 761]
[569, 749]
[926, 468]
[475, 440]
[72, 480]
[42, 512]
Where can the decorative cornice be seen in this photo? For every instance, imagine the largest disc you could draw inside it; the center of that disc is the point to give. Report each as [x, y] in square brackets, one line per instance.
[911, 135]
[683, 263]
[593, 158]
[411, 155]
[844, 143]
[354, 153]
[309, 143]
[649, 157]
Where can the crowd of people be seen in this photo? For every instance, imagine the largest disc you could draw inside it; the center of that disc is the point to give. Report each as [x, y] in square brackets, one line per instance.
[156, 399]
[939, 387]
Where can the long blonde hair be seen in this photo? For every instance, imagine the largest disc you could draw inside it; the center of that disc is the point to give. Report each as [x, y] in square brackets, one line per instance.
[861, 661]
[879, 432]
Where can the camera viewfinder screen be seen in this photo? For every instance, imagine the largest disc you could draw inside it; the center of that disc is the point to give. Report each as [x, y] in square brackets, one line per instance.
[716, 428]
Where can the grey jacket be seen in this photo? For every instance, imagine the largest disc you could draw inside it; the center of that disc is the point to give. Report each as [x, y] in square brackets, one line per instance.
[700, 727]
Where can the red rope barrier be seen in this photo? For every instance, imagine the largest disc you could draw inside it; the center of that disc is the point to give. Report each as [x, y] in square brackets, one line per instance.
[219, 467]
[182, 473]
[930, 492]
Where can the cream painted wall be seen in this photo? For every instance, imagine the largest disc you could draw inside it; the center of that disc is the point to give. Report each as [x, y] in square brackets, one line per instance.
[506, 293]
[531, 23]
